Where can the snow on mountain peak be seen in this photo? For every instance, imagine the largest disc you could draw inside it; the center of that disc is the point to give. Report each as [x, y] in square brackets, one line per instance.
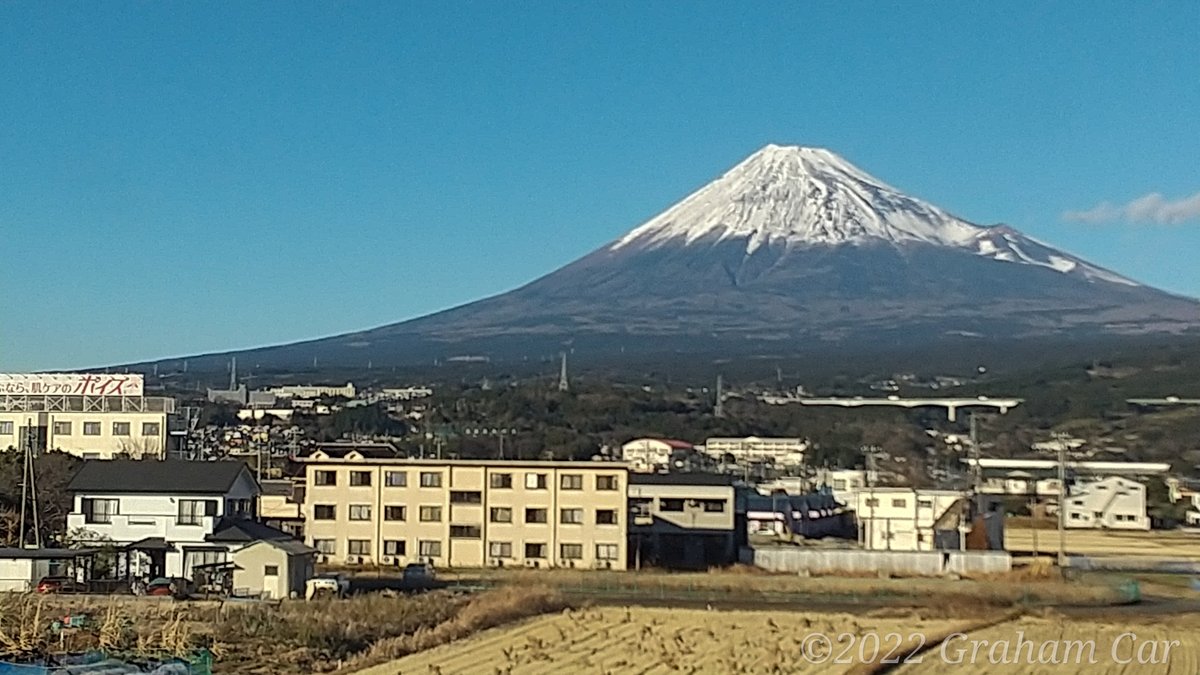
[800, 197]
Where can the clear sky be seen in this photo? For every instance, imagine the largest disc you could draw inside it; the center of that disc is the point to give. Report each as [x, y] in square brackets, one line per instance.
[186, 177]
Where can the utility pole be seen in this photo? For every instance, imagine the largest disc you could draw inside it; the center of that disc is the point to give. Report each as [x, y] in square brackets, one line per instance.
[719, 405]
[1062, 501]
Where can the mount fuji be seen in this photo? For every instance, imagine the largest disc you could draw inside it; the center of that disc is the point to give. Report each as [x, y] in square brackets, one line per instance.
[794, 246]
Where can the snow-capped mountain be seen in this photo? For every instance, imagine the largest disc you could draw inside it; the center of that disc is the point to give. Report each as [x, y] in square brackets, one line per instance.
[798, 197]
[790, 248]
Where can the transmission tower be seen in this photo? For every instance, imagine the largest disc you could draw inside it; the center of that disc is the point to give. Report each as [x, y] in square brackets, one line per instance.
[30, 513]
[563, 383]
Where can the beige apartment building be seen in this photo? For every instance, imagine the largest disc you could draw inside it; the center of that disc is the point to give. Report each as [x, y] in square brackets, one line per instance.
[362, 507]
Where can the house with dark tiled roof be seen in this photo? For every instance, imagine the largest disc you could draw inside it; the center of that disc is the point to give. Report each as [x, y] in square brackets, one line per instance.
[167, 518]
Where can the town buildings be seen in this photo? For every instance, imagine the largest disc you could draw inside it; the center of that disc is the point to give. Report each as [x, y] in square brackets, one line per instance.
[88, 415]
[365, 507]
[310, 391]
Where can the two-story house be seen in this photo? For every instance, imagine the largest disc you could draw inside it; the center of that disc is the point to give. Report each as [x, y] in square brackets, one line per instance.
[684, 520]
[167, 517]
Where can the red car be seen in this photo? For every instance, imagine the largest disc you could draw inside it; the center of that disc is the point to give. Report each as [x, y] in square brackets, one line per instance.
[58, 585]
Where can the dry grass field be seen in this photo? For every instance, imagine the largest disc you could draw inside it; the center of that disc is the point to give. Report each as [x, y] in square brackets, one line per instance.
[1160, 544]
[653, 641]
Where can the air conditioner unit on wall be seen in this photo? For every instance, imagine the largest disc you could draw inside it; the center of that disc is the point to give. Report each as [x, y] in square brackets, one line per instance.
[387, 560]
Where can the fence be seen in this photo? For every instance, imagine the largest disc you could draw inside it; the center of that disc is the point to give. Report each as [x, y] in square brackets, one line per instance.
[891, 563]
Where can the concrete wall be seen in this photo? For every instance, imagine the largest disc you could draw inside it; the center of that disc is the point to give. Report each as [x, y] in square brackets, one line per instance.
[895, 563]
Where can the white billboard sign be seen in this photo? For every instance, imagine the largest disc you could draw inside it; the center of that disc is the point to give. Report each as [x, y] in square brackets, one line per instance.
[72, 384]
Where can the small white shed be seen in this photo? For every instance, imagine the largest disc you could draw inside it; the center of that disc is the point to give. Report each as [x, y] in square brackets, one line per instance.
[273, 568]
[22, 568]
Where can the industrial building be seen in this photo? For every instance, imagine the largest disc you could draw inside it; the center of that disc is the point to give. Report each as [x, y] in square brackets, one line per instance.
[93, 416]
[364, 507]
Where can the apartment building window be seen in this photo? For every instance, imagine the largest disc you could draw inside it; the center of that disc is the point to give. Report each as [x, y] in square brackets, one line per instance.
[839, 484]
[325, 546]
[395, 513]
[640, 506]
[325, 478]
[535, 481]
[325, 512]
[714, 505]
[571, 516]
[500, 514]
[431, 479]
[571, 481]
[607, 551]
[500, 549]
[360, 478]
[671, 505]
[62, 428]
[430, 549]
[535, 550]
[6, 429]
[500, 481]
[151, 429]
[89, 428]
[465, 532]
[192, 510]
[899, 503]
[395, 547]
[466, 497]
[571, 551]
[536, 515]
[925, 503]
[360, 512]
[99, 510]
[872, 502]
[431, 514]
[120, 428]
[358, 547]
[270, 570]
[606, 516]
[606, 483]
[395, 479]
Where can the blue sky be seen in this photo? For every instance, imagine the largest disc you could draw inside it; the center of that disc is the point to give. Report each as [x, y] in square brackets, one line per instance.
[183, 177]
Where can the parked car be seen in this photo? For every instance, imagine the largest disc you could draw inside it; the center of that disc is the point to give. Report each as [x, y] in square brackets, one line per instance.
[418, 573]
[59, 585]
[170, 586]
[327, 584]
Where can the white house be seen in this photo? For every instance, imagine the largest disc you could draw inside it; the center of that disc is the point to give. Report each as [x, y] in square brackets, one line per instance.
[905, 519]
[169, 517]
[1109, 503]
[780, 451]
[651, 454]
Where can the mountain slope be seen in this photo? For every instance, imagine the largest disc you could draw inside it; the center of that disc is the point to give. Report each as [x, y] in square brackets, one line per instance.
[791, 246]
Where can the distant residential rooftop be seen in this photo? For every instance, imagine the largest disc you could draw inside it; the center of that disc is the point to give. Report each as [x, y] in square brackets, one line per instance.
[681, 478]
